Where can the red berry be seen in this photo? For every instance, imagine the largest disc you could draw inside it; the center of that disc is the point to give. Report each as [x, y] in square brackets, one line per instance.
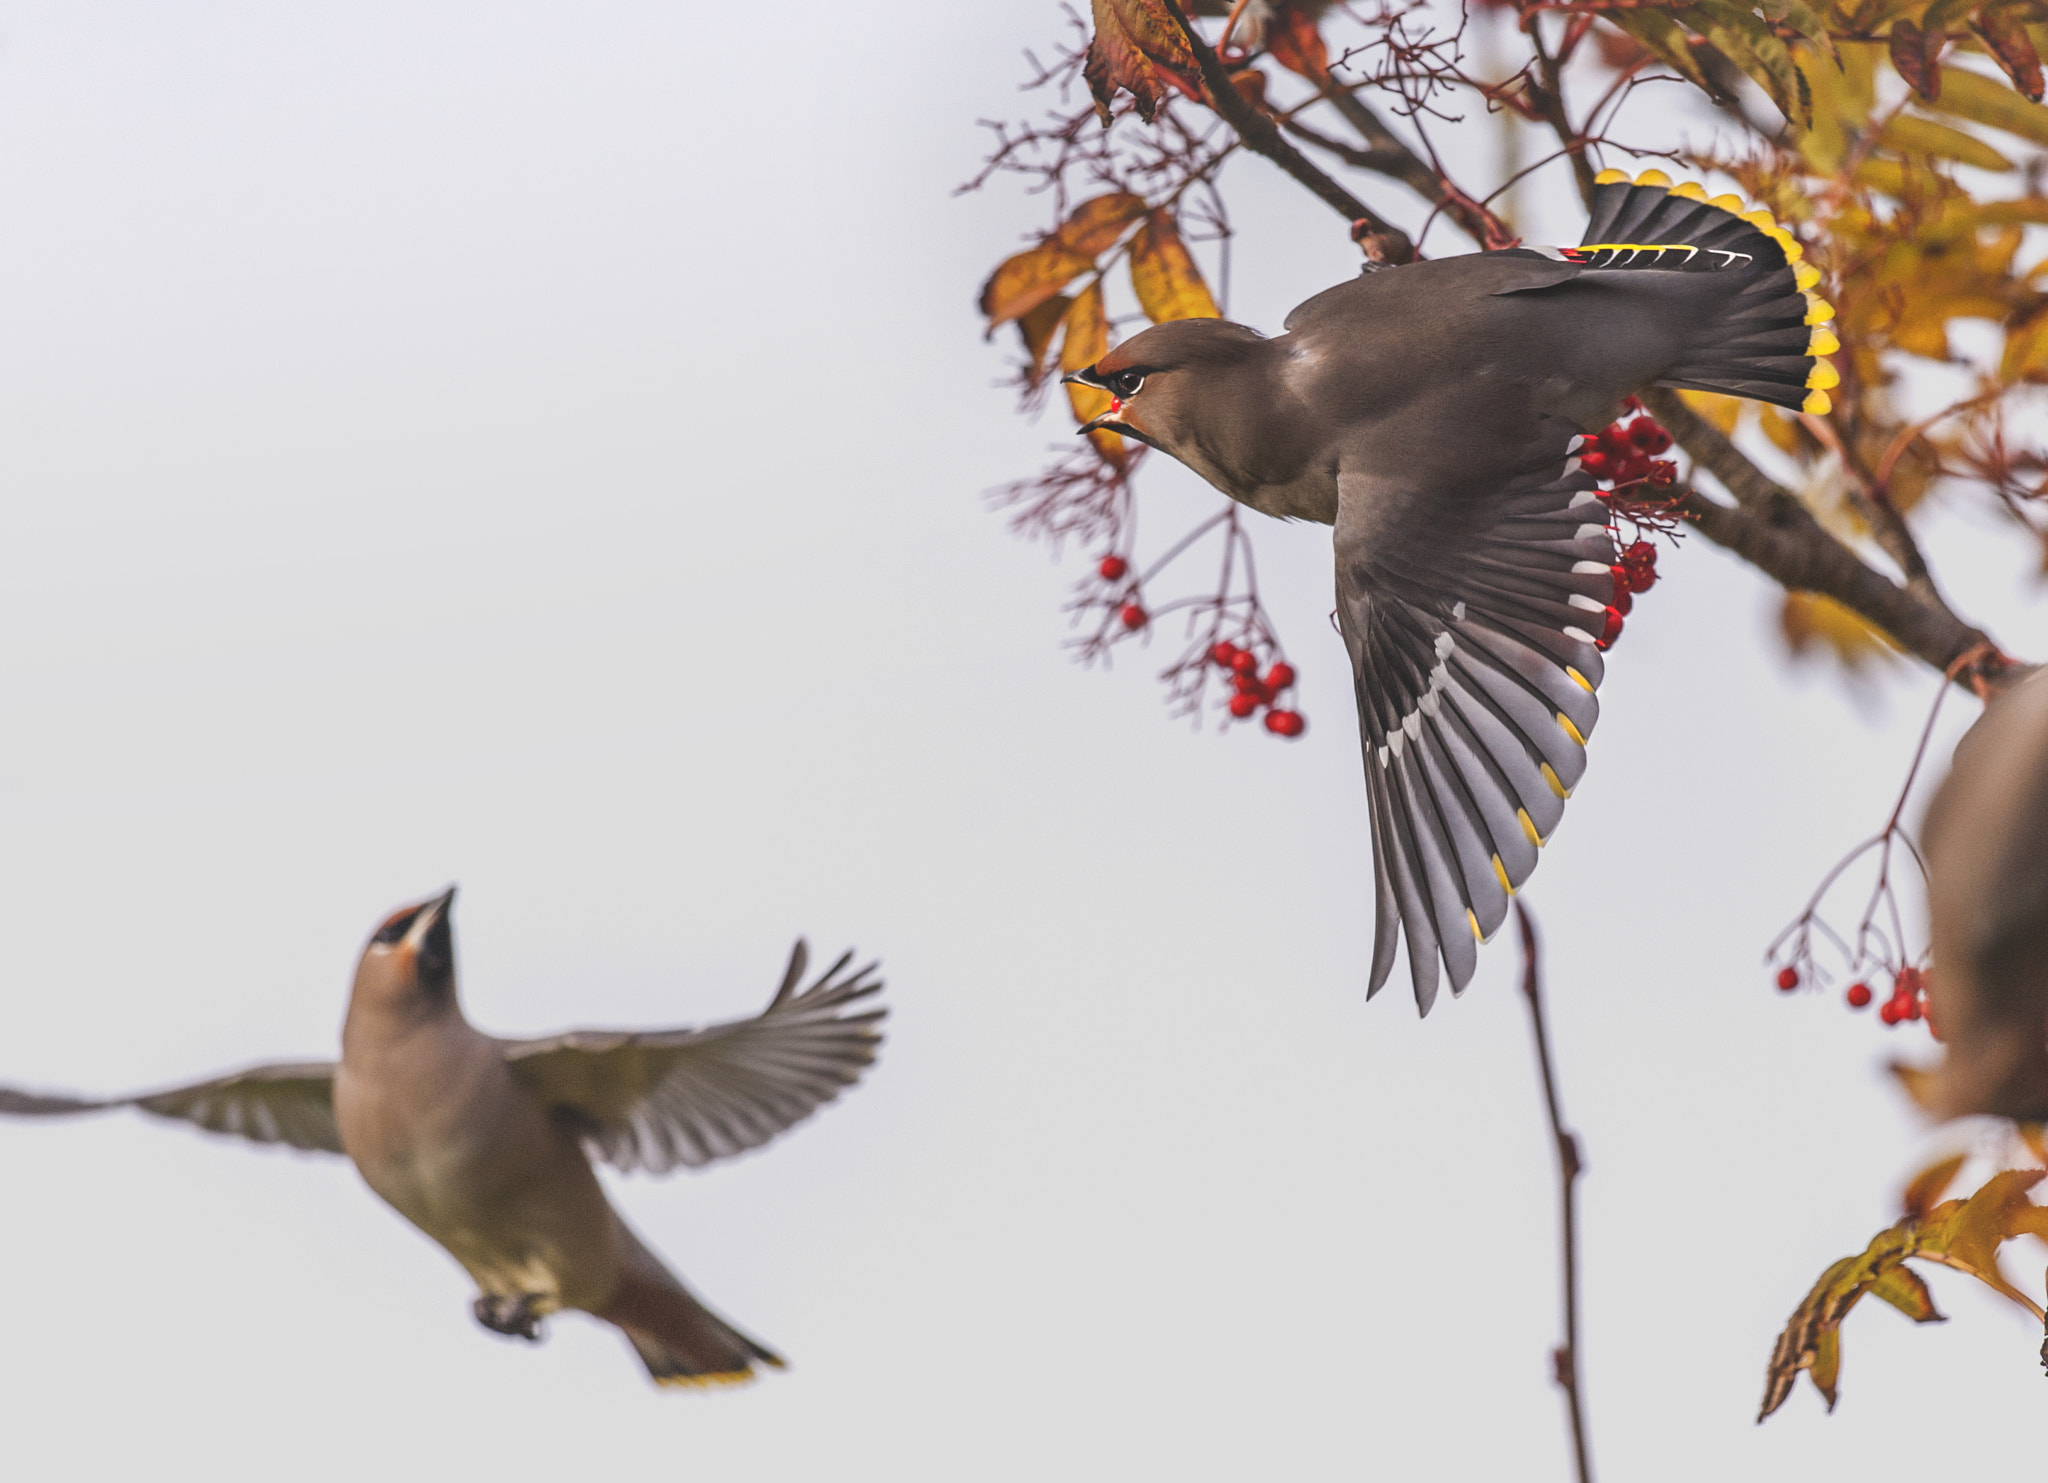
[1912, 1007]
[1648, 436]
[1610, 629]
[1597, 463]
[1223, 653]
[1132, 615]
[1889, 1013]
[1632, 468]
[1243, 704]
[1112, 568]
[1280, 676]
[1249, 685]
[1858, 996]
[1640, 553]
[1284, 723]
[1788, 978]
[1244, 662]
[1622, 601]
[1632, 404]
[1642, 578]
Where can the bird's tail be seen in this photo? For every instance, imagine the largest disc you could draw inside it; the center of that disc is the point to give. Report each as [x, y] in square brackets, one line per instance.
[681, 1341]
[1769, 343]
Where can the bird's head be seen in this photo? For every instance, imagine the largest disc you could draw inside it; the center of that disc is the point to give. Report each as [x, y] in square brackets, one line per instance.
[409, 961]
[1162, 382]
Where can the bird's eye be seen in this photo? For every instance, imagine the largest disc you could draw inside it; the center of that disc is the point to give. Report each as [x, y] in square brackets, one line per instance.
[395, 929]
[1126, 383]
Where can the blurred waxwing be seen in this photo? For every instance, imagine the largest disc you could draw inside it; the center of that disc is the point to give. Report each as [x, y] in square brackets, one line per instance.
[1986, 841]
[1430, 412]
[486, 1144]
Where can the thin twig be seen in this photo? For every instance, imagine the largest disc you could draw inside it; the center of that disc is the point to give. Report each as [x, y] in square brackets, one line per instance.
[1564, 1359]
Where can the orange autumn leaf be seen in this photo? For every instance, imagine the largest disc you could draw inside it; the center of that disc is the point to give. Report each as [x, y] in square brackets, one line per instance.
[1816, 624]
[1926, 1188]
[1027, 279]
[1296, 44]
[1037, 329]
[1086, 342]
[1164, 275]
[1962, 1234]
[1139, 47]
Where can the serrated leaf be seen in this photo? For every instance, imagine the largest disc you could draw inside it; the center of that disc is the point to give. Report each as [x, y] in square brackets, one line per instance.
[1979, 99]
[1910, 135]
[1665, 37]
[1906, 1290]
[1164, 276]
[1748, 41]
[2006, 37]
[1139, 48]
[1924, 1191]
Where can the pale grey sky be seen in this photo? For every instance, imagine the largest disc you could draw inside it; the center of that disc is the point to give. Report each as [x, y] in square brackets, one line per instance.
[539, 446]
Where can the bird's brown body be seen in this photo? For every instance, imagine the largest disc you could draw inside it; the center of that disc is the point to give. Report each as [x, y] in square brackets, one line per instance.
[486, 1144]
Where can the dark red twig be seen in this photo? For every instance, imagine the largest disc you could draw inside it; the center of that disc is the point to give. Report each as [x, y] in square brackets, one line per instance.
[1565, 1358]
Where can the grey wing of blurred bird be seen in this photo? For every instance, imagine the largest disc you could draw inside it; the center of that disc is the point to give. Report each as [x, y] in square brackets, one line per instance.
[1475, 622]
[290, 1103]
[654, 1099]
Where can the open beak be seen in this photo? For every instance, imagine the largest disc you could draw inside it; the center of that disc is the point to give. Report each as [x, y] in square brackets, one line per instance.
[1113, 419]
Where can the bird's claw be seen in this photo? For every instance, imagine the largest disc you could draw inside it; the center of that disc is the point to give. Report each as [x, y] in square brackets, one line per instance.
[517, 1317]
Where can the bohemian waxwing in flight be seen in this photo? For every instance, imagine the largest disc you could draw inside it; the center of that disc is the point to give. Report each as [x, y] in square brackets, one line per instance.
[485, 1144]
[1429, 412]
[1986, 841]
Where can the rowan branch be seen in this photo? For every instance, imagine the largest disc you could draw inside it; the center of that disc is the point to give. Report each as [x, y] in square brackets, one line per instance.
[1565, 1358]
[1772, 530]
[1262, 136]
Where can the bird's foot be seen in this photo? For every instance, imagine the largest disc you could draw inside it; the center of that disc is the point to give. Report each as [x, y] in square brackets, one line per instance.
[518, 1317]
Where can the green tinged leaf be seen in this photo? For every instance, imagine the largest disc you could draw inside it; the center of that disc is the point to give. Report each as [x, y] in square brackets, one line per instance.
[1665, 37]
[1981, 100]
[1909, 135]
[1906, 1291]
[1802, 18]
[1748, 41]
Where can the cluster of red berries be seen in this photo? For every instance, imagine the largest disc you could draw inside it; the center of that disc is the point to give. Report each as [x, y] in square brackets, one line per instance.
[1250, 692]
[1132, 613]
[1635, 572]
[1625, 452]
[1908, 1000]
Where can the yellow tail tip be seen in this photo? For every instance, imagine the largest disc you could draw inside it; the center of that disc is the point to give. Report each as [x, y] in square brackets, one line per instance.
[1817, 404]
[1806, 275]
[1569, 729]
[1500, 873]
[1611, 177]
[1823, 343]
[1824, 376]
[1818, 311]
[1690, 190]
[1654, 177]
[704, 1382]
[1529, 827]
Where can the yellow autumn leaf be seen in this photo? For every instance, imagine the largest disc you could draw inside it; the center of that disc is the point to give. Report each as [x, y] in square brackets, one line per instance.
[1097, 222]
[1027, 279]
[1925, 1189]
[1164, 275]
[1812, 623]
[1037, 329]
[1086, 342]
[1721, 411]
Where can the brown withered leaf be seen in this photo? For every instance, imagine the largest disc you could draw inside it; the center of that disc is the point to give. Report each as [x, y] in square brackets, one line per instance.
[1037, 329]
[1296, 43]
[1086, 342]
[1917, 1082]
[1914, 54]
[2005, 36]
[1164, 275]
[1963, 1234]
[1924, 1191]
[1139, 47]
[1027, 279]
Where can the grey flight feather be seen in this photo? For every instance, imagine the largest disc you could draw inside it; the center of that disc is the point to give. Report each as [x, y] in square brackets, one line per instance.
[291, 1103]
[655, 1099]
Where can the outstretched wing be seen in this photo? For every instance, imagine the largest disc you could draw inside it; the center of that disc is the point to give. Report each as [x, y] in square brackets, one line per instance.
[1475, 621]
[291, 1104]
[655, 1099]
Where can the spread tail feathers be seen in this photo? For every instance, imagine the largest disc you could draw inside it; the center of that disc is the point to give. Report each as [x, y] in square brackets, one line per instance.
[681, 1341]
[1770, 343]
